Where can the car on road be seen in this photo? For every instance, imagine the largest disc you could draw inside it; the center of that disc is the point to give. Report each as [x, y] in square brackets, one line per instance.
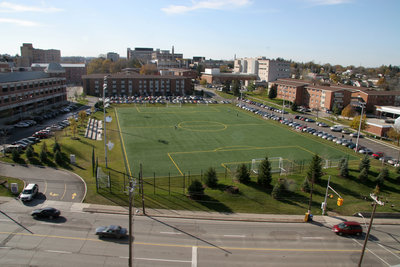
[29, 192]
[377, 155]
[347, 228]
[113, 231]
[321, 124]
[47, 212]
[346, 131]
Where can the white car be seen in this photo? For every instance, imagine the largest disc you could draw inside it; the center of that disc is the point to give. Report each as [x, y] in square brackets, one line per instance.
[337, 128]
[21, 125]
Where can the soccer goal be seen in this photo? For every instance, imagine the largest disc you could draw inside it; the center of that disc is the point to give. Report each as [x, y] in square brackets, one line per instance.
[276, 164]
[174, 105]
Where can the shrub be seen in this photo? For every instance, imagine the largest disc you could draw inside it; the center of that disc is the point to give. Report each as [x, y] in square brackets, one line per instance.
[210, 177]
[196, 189]
[243, 174]
[58, 158]
[56, 147]
[363, 176]
[15, 155]
[279, 189]
[364, 164]
[305, 186]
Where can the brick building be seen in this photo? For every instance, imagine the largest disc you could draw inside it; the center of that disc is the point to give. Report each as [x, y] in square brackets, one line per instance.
[31, 55]
[24, 93]
[131, 83]
[73, 72]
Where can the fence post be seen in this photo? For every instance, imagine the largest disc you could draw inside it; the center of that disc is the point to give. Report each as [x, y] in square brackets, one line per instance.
[183, 183]
[169, 183]
[154, 182]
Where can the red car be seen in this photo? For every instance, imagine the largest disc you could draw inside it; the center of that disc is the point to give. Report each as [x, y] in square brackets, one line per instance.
[377, 155]
[347, 228]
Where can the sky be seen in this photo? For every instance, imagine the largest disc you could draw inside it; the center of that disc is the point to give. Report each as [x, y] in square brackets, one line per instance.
[346, 32]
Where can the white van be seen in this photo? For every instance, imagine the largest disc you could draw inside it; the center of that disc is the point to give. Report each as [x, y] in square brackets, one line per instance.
[29, 192]
[337, 128]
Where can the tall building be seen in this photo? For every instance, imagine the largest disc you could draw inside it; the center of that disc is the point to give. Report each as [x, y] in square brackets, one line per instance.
[31, 55]
[267, 70]
[114, 57]
[143, 54]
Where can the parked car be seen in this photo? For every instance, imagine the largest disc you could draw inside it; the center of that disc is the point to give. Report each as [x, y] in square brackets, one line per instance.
[47, 212]
[355, 135]
[21, 125]
[29, 192]
[346, 131]
[377, 155]
[347, 228]
[337, 128]
[321, 124]
[114, 231]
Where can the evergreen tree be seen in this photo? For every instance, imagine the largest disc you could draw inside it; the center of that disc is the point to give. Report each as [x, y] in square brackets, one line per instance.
[15, 155]
[279, 189]
[344, 169]
[196, 189]
[29, 152]
[305, 186]
[44, 147]
[227, 87]
[211, 179]
[243, 174]
[382, 176]
[314, 172]
[293, 107]
[365, 164]
[56, 147]
[58, 158]
[272, 92]
[43, 156]
[236, 88]
[264, 177]
[93, 162]
[363, 176]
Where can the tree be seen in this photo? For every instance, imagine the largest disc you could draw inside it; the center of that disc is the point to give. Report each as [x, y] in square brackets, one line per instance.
[344, 169]
[203, 82]
[224, 69]
[44, 147]
[82, 116]
[196, 189]
[15, 155]
[348, 111]
[29, 152]
[199, 69]
[236, 87]
[314, 172]
[334, 78]
[73, 126]
[56, 147]
[227, 86]
[93, 162]
[43, 156]
[243, 174]
[210, 176]
[365, 164]
[356, 122]
[382, 176]
[272, 92]
[251, 87]
[279, 189]
[149, 69]
[294, 106]
[264, 177]
[394, 134]
[363, 176]
[58, 158]
[336, 110]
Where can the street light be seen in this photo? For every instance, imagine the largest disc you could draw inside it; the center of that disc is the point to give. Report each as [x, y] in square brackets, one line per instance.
[359, 126]
[365, 223]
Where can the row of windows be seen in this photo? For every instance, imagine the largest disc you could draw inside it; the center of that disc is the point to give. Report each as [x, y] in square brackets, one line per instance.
[29, 95]
[30, 85]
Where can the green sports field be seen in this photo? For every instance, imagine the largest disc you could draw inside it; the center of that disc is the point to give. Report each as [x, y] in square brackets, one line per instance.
[189, 139]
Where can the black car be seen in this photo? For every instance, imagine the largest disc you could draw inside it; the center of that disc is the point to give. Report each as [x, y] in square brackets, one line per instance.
[48, 212]
[114, 231]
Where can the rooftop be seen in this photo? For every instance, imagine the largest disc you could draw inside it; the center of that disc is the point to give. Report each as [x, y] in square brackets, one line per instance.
[22, 76]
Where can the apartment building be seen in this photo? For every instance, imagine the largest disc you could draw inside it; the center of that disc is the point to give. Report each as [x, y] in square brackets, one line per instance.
[31, 55]
[73, 72]
[132, 83]
[267, 70]
[27, 92]
[214, 76]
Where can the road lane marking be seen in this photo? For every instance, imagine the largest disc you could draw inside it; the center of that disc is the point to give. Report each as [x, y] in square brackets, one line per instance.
[5, 247]
[149, 259]
[170, 233]
[372, 252]
[53, 194]
[189, 246]
[59, 251]
[65, 190]
[194, 256]
[388, 251]
[73, 195]
[312, 237]
[45, 187]
[234, 236]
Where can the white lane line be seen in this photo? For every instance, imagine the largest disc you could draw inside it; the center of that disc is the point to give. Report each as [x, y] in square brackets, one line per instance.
[47, 223]
[165, 260]
[170, 233]
[5, 247]
[312, 237]
[234, 235]
[4, 220]
[388, 250]
[372, 253]
[194, 256]
[59, 251]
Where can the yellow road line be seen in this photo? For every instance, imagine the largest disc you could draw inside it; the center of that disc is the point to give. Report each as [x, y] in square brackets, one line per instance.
[189, 246]
[175, 164]
[123, 143]
[65, 190]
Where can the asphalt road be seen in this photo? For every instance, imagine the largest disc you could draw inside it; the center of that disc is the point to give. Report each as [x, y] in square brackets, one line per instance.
[53, 184]
[70, 241]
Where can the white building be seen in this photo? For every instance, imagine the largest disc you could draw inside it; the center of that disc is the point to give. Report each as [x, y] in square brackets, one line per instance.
[267, 70]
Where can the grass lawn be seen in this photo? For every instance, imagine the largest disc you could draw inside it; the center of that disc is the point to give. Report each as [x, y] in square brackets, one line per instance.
[5, 186]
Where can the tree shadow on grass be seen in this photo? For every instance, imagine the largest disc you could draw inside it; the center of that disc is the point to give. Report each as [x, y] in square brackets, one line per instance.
[170, 203]
[256, 186]
[296, 199]
[344, 190]
[213, 204]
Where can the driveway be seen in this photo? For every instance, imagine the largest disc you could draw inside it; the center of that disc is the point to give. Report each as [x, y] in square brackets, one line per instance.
[54, 184]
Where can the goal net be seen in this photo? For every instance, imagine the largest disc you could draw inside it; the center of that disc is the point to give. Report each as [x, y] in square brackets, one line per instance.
[174, 105]
[276, 164]
[103, 180]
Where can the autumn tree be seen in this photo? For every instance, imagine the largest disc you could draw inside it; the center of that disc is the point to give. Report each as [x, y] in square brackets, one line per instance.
[394, 133]
[224, 69]
[149, 69]
[73, 126]
[356, 122]
[82, 116]
[348, 111]
[334, 78]
[203, 82]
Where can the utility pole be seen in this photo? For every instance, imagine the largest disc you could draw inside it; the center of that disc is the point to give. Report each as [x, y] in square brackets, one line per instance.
[131, 205]
[376, 201]
[326, 196]
[141, 185]
[359, 126]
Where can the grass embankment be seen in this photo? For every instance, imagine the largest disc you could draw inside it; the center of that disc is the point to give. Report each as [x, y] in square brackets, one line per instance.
[5, 186]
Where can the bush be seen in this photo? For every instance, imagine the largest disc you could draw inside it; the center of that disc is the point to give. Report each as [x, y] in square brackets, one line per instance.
[243, 174]
[58, 158]
[56, 147]
[43, 156]
[305, 186]
[363, 176]
[15, 155]
[210, 177]
[29, 153]
[344, 169]
[196, 189]
[382, 176]
[279, 189]
[364, 164]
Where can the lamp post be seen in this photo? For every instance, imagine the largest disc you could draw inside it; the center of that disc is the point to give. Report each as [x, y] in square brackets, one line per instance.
[104, 112]
[365, 223]
[359, 126]
[376, 201]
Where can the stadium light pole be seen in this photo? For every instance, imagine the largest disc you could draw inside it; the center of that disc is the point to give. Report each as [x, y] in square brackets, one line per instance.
[104, 113]
[359, 126]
